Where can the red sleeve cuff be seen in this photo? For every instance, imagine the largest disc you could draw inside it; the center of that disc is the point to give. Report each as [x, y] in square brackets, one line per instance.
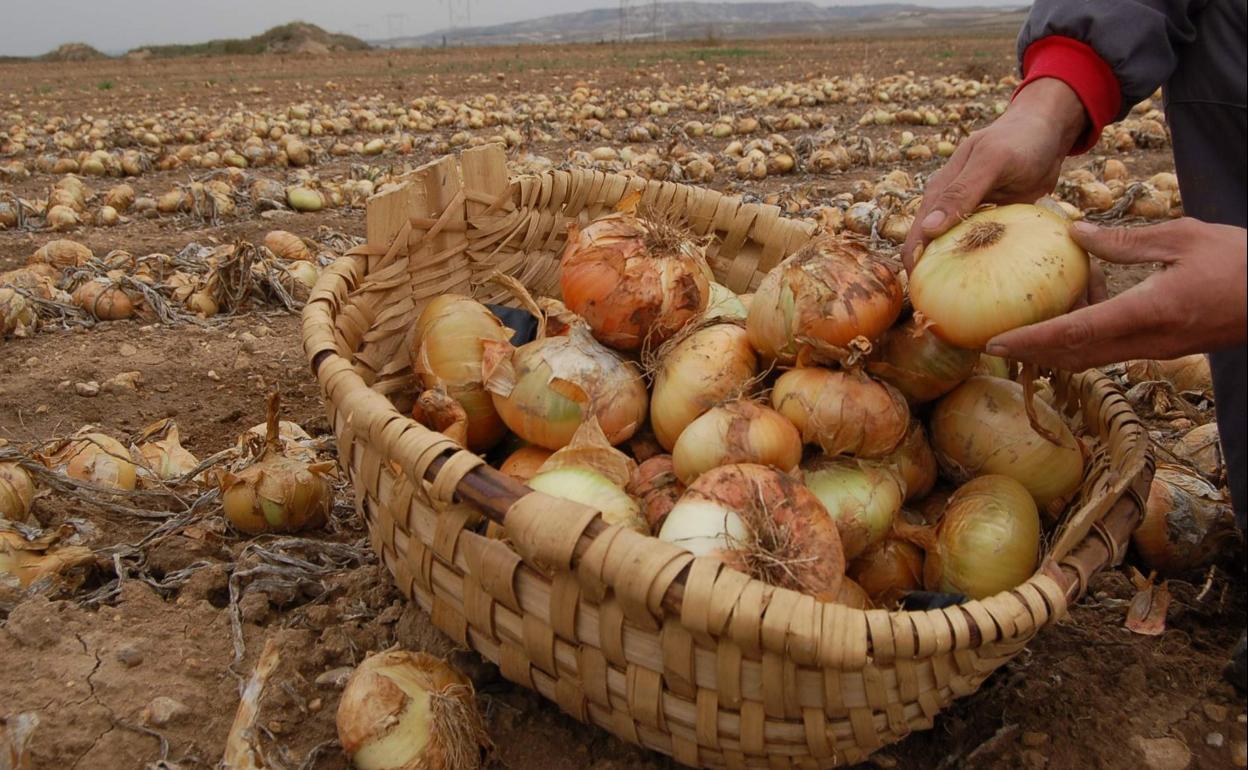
[1078, 66]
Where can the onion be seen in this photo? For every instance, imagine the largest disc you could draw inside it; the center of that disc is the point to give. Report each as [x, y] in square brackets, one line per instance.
[17, 314]
[852, 595]
[29, 560]
[992, 366]
[843, 412]
[824, 297]
[915, 462]
[591, 488]
[523, 463]
[634, 280]
[1185, 373]
[918, 363]
[888, 570]
[696, 371]
[999, 269]
[97, 458]
[437, 411]
[409, 711]
[988, 540]
[450, 336]
[160, 453]
[1200, 448]
[1186, 522]
[286, 245]
[740, 431]
[17, 489]
[724, 303]
[762, 522]
[544, 390]
[982, 428]
[104, 300]
[862, 497]
[658, 489]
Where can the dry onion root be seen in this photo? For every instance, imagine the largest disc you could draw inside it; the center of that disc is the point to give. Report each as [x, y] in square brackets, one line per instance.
[844, 412]
[1186, 522]
[17, 489]
[739, 431]
[410, 711]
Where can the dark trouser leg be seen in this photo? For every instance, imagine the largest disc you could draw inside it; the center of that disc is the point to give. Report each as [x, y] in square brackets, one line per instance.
[1230, 385]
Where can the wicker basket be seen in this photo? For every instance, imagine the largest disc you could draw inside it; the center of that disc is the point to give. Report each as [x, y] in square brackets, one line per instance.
[677, 654]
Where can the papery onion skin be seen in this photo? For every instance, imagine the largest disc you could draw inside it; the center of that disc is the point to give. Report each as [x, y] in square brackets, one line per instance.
[100, 459]
[844, 412]
[17, 489]
[862, 497]
[1184, 373]
[997, 270]
[449, 339]
[1201, 448]
[524, 463]
[276, 494]
[1186, 522]
[915, 462]
[587, 487]
[988, 540]
[658, 489]
[918, 363]
[740, 431]
[888, 570]
[697, 372]
[982, 428]
[632, 279]
[829, 293]
[851, 595]
[724, 303]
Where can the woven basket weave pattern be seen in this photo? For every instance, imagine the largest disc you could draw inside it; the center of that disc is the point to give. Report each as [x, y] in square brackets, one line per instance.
[674, 653]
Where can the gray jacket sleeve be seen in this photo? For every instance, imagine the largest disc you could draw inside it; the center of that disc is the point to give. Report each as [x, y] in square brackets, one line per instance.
[1139, 39]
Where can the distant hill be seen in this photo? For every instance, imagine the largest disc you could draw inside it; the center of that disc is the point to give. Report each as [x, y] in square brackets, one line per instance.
[73, 52]
[298, 37]
[714, 20]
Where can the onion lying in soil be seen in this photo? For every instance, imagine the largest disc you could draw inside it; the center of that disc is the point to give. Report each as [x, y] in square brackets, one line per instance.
[1185, 373]
[888, 570]
[17, 314]
[524, 463]
[287, 245]
[450, 335]
[824, 297]
[62, 254]
[844, 412]
[1201, 448]
[1186, 522]
[861, 496]
[160, 454]
[697, 370]
[739, 431]
[988, 540]
[982, 428]
[28, 560]
[103, 299]
[17, 489]
[658, 489]
[918, 363]
[410, 711]
[96, 458]
[997, 270]
[764, 523]
[633, 280]
[591, 472]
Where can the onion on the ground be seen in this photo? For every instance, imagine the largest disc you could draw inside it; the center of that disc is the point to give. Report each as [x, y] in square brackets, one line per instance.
[1186, 522]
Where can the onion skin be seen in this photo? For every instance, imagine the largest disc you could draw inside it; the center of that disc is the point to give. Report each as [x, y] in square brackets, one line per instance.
[697, 372]
[1185, 373]
[1200, 447]
[828, 294]
[982, 428]
[988, 540]
[276, 494]
[740, 431]
[888, 570]
[99, 459]
[919, 364]
[997, 270]
[17, 490]
[844, 412]
[588, 487]
[658, 489]
[524, 463]
[450, 338]
[633, 280]
[1186, 522]
[851, 595]
[862, 497]
[915, 462]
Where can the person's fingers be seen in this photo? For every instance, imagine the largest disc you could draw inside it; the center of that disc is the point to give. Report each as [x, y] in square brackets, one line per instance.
[962, 193]
[1125, 245]
[1098, 289]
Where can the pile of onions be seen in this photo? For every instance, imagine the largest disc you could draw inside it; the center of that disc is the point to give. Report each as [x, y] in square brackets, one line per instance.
[862, 497]
[450, 335]
[696, 371]
[1186, 522]
[740, 431]
[658, 489]
[591, 472]
[524, 463]
[825, 296]
[159, 452]
[764, 523]
[888, 570]
[545, 389]
[982, 428]
[844, 412]
[99, 459]
[997, 270]
[404, 710]
[633, 280]
[915, 462]
[918, 363]
[17, 489]
[988, 540]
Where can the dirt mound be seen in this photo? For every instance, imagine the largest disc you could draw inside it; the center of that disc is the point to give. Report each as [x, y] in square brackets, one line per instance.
[297, 37]
[73, 52]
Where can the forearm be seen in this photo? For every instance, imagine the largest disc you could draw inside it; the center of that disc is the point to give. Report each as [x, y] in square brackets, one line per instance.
[1057, 105]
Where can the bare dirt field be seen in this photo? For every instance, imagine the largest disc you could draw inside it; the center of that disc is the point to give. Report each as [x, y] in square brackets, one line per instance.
[133, 662]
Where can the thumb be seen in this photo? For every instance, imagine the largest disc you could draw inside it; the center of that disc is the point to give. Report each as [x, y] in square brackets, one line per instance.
[1123, 245]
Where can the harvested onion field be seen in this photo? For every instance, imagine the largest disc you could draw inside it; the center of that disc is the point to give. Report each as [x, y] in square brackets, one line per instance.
[131, 648]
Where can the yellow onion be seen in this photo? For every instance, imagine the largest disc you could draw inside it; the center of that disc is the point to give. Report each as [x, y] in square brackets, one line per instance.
[762, 522]
[997, 270]
[160, 452]
[633, 280]
[992, 366]
[287, 245]
[99, 459]
[591, 488]
[17, 489]
[824, 297]
[915, 462]
[1185, 373]
[304, 199]
[851, 595]
[17, 314]
[523, 463]
[982, 428]
[888, 570]
[918, 363]
[409, 711]
[203, 303]
[724, 303]
[844, 412]
[437, 411]
[988, 540]
[861, 496]
[62, 218]
[120, 197]
[545, 389]
[62, 254]
[740, 431]
[104, 300]
[1200, 448]
[1186, 522]
[931, 508]
[28, 560]
[696, 371]
[658, 489]
[450, 337]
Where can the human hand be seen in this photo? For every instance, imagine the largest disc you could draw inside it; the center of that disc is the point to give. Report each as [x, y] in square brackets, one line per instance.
[1016, 159]
[1194, 304]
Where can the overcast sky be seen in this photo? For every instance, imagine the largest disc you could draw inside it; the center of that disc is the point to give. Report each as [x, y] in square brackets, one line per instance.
[30, 27]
